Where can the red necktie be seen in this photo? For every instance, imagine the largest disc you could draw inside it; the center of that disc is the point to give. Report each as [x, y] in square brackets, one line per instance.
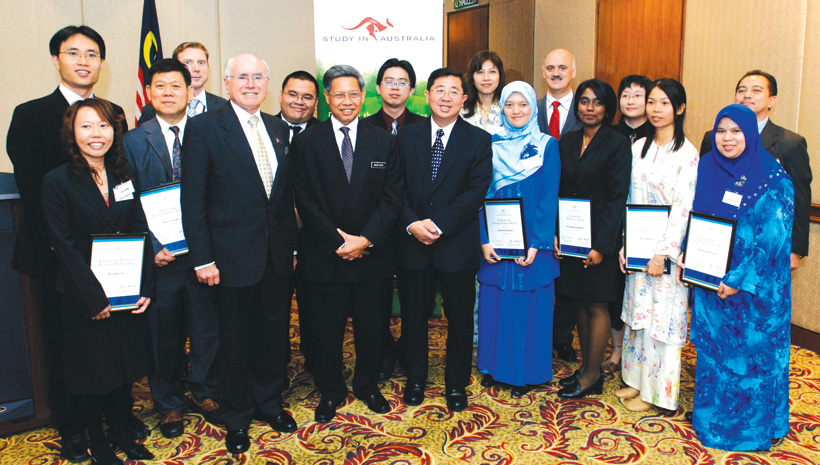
[555, 120]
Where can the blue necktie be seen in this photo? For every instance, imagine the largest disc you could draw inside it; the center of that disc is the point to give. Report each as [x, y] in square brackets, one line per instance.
[438, 150]
[176, 153]
[347, 152]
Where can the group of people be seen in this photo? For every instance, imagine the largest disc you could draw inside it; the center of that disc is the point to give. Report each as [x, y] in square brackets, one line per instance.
[336, 209]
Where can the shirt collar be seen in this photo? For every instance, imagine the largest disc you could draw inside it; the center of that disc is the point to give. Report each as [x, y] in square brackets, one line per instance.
[243, 115]
[71, 96]
[389, 119]
[565, 101]
[353, 125]
[301, 125]
[761, 125]
[164, 125]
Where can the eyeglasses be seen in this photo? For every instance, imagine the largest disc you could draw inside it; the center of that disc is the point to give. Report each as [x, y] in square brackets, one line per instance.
[399, 84]
[340, 96]
[75, 55]
[452, 93]
[293, 96]
[249, 77]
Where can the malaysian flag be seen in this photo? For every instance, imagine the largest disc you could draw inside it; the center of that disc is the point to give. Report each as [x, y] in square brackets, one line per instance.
[150, 51]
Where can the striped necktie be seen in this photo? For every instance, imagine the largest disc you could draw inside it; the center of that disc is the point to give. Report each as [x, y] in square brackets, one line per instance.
[347, 152]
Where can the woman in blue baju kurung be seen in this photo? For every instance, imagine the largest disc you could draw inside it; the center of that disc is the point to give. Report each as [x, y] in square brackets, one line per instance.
[516, 297]
[741, 332]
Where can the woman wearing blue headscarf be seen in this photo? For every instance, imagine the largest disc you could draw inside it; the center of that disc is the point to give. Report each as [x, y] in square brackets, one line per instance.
[741, 332]
[516, 297]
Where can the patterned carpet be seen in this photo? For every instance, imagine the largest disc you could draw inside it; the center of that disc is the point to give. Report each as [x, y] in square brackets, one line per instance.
[495, 429]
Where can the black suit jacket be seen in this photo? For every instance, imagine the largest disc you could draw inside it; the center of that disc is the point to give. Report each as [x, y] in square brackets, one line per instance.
[791, 151]
[226, 214]
[601, 174]
[34, 147]
[74, 210]
[366, 206]
[212, 103]
[452, 201]
[377, 119]
[150, 159]
[311, 122]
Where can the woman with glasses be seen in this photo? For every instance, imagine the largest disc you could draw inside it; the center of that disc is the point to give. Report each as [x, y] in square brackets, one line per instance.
[595, 165]
[484, 80]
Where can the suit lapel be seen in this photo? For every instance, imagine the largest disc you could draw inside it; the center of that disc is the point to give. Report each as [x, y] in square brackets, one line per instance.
[334, 157]
[768, 136]
[451, 153]
[156, 140]
[88, 190]
[240, 147]
[60, 103]
[280, 150]
[362, 156]
[424, 155]
[599, 138]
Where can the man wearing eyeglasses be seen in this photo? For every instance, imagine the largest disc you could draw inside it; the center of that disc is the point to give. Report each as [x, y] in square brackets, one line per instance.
[348, 192]
[396, 82]
[298, 100]
[195, 57]
[448, 167]
[34, 147]
[238, 219]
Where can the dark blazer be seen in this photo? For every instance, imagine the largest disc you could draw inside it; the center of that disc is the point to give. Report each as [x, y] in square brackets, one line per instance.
[212, 102]
[149, 158]
[100, 355]
[571, 124]
[33, 145]
[311, 122]
[366, 206]
[601, 174]
[377, 119]
[791, 151]
[226, 215]
[452, 201]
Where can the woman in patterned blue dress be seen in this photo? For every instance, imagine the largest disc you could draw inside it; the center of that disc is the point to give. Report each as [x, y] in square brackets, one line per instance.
[741, 332]
[516, 297]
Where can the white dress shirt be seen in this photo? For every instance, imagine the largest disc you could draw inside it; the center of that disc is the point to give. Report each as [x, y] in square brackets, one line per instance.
[340, 136]
[244, 118]
[302, 125]
[564, 107]
[168, 134]
[70, 95]
[201, 98]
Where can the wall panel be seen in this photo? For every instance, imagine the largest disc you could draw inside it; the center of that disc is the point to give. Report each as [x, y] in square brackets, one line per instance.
[512, 36]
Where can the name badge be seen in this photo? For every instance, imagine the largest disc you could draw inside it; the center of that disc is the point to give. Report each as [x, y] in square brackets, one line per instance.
[124, 191]
[378, 165]
[732, 198]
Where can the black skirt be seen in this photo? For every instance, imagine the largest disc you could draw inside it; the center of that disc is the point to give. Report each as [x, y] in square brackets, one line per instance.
[601, 283]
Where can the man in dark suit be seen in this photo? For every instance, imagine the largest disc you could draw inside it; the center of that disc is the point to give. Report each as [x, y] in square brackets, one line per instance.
[555, 116]
[396, 82]
[239, 222]
[298, 100]
[34, 147]
[758, 90]
[154, 152]
[195, 57]
[348, 192]
[448, 168]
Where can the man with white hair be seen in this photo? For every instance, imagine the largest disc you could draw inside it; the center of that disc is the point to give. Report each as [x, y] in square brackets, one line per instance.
[238, 218]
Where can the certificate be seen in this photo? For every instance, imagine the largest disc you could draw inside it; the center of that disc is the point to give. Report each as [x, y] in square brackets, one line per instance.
[575, 227]
[164, 215]
[505, 227]
[644, 226]
[708, 254]
[116, 260]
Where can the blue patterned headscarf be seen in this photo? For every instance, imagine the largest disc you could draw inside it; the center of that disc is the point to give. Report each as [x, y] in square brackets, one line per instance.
[741, 175]
[517, 152]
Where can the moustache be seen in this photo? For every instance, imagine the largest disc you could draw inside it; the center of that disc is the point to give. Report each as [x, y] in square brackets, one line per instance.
[556, 78]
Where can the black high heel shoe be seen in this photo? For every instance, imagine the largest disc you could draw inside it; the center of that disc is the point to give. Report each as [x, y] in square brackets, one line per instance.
[575, 392]
[569, 380]
[134, 450]
[520, 391]
[103, 455]
[488, 381]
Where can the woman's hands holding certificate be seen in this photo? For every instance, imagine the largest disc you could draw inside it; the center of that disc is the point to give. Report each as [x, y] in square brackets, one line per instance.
[142, 305]
[653, 268]
[593, 258]
[531, 252]
[556, 250]
[679, 269]
[622, 262]
[725, 291]
[489, 254]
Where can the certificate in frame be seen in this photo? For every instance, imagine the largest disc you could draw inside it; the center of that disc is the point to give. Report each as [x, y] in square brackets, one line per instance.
[708, 253]
[116, 261]
[164, 215]
[644, 226]
[575, 227]
[504, 221]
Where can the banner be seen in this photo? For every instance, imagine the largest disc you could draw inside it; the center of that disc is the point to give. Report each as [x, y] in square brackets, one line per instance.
[150, 52]
[366, 33]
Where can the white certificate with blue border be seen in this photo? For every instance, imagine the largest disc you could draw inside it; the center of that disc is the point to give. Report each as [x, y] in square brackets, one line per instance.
[575, 227]
[644, 227]
[116, 261]
[709, 243]
[164, 214]
[504, 219]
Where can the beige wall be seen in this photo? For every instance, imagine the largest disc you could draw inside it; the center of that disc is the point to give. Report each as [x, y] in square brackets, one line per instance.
[279, 31]
[569, 25]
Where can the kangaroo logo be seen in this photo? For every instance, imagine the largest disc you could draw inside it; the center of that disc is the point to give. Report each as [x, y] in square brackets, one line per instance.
[371, 25]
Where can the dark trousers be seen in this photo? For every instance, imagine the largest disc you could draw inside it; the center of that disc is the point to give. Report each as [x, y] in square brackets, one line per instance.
[305, 334]
[417, 291]
[253, 332]
[391, 349]
[330, 304]
[63, 406]
[182, 303]
[117, 408]
[563, 321]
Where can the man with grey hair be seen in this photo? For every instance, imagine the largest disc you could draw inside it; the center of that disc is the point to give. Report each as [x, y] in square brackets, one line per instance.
[348, 181]
[238, 218]
[555, 116]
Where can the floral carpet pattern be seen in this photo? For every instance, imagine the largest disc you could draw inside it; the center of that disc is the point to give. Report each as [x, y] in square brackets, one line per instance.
[495, 429]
